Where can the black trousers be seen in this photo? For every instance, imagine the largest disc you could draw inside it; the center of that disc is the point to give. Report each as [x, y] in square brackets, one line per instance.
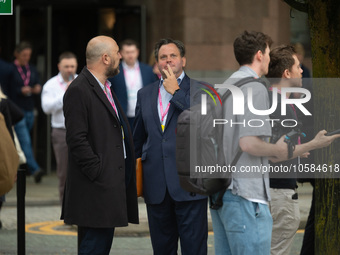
[95, 241]
[172, 220]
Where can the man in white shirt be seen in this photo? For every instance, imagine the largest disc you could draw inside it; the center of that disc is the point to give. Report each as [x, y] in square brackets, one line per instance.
[133, 76]
[52, 103]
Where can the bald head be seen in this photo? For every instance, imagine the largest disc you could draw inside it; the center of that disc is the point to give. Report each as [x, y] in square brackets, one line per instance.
[97, 47]
[102, 57]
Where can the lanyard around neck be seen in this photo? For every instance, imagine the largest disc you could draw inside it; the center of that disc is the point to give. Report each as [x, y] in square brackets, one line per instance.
[109, 96]
[25, 78]
[62, 84]
[131, 82]
[163, 113]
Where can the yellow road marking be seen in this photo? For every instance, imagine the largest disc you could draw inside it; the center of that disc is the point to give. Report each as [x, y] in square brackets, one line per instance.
[49, 228]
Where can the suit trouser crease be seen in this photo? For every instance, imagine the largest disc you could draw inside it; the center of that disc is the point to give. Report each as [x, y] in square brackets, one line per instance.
[185, 220]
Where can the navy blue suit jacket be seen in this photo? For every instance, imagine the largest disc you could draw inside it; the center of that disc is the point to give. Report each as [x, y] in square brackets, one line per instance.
[158, 149]
[119, 85]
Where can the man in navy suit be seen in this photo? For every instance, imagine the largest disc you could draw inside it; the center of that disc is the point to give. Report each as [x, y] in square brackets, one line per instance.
[133, 76]
[172, 212]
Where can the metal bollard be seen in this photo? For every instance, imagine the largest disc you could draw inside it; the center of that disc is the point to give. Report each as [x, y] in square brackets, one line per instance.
[21, 192]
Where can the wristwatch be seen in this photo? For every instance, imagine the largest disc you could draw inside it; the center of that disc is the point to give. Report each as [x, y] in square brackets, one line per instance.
[175, 92]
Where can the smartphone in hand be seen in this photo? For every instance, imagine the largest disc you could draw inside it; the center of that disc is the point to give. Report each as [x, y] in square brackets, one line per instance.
[335, 132]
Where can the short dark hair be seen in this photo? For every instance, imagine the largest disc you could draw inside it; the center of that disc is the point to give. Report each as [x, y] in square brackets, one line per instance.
[128, 42]
[281, 58]
[67, 55]
[166, 41]
[248, 44]
[22, 46]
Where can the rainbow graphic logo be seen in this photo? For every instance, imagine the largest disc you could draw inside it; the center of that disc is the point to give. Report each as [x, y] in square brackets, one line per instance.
[204, 97]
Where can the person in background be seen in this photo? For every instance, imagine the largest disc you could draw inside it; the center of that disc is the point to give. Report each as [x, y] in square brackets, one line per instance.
[23, 88]
[52, 103]
[134, 75]
[284, 71]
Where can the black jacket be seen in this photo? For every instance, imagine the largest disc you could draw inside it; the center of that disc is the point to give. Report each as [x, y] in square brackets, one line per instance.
[100, 189]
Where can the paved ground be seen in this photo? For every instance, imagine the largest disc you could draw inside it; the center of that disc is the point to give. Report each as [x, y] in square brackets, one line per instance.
[46, 234]
[65, 244]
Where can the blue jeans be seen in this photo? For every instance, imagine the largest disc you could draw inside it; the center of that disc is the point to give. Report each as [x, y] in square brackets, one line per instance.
[95, 241]
[23, 129]
[241, 227]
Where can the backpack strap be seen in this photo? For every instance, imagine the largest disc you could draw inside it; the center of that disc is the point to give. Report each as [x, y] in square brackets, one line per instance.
[241, 82]
[219, 201]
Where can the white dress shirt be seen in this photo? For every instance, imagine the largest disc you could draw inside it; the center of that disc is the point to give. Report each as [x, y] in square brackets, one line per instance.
[52, 100]
[134, 82]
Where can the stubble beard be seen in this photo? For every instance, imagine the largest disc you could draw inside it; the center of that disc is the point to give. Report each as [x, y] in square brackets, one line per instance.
[111, 71]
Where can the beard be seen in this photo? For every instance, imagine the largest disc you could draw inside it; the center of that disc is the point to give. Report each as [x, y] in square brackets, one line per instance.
[111, 71]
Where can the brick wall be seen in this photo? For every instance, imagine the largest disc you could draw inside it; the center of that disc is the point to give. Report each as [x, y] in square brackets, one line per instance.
[208, 28]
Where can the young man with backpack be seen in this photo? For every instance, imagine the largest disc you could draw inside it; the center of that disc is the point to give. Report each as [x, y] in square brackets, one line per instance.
[243, 224]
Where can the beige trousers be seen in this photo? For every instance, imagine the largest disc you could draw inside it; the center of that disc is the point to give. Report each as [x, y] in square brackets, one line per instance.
[286, 219]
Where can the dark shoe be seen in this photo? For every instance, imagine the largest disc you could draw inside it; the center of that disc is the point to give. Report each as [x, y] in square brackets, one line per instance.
[0, 224]
[38, 176]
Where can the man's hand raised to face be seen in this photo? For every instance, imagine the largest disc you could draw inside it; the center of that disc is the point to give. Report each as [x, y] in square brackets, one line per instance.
[170, 82]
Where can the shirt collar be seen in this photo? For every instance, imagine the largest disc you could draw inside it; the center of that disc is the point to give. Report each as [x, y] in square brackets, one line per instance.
[248, 70]
[100, 84]
[180, 79]
[61, 79]
[125, 66]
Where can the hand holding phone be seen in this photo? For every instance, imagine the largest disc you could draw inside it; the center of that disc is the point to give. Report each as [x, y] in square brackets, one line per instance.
[335, 132]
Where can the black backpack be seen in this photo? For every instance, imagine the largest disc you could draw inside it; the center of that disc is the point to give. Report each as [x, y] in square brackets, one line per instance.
[198, 143]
